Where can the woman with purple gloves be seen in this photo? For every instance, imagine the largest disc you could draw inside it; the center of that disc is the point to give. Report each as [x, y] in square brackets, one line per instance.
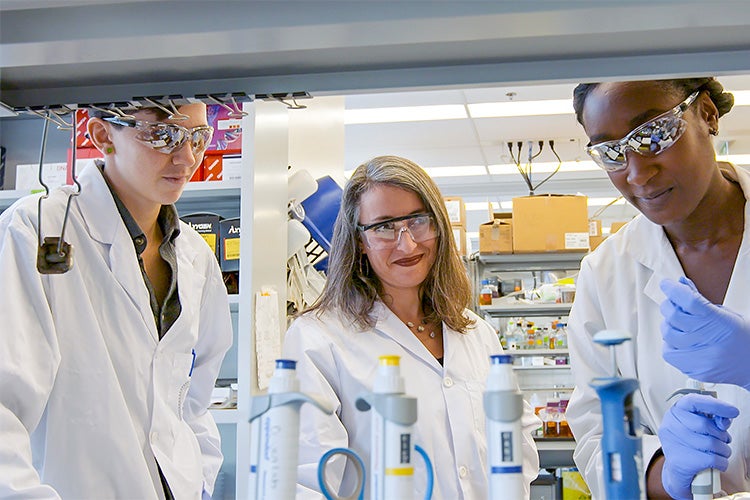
[680, 267]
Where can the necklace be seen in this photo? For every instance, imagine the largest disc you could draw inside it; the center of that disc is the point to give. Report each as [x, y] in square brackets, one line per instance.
[420, 327]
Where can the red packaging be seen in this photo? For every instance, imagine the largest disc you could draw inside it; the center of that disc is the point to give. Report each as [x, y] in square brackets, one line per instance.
[213, 167]
[227, 137]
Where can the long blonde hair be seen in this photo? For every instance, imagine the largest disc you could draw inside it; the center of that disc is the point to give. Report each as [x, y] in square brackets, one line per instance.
[352, 287]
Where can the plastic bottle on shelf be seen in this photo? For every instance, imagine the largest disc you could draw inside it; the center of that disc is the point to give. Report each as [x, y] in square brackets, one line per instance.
[563, 336]
[530, 335]
[536, 403]
[552, 417]
[485, 295]
[494, 286]
[563, 407]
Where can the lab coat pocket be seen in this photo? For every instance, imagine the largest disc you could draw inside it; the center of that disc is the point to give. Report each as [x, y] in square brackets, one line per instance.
[182, 370]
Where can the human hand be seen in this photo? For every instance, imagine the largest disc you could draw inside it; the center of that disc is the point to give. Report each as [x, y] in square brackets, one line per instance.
[707, 342]
[694, 437]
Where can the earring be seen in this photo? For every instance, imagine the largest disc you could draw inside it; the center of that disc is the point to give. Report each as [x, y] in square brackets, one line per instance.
[364, 269]
[109, 150]
[713, 131]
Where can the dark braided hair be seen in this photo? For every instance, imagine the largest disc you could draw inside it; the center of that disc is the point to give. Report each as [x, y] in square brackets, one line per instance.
[682, 86]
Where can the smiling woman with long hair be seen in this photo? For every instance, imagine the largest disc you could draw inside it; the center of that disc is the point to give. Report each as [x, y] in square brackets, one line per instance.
[396, 286]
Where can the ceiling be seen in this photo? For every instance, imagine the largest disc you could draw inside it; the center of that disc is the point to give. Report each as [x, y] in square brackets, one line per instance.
[382, 54]
[483, 141]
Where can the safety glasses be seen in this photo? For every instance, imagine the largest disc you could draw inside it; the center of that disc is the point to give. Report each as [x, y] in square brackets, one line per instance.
[386, 234]
[650, 139]
[167, 137]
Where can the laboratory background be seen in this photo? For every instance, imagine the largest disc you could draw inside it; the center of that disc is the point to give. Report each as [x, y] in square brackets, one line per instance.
[301, 93]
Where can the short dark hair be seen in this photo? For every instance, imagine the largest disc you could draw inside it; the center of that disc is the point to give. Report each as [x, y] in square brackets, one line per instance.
[683, 86]
[159, 113]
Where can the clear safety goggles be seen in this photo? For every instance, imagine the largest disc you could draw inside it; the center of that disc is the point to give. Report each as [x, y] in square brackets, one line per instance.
[168, 137]
[650, 139]
[386, 234]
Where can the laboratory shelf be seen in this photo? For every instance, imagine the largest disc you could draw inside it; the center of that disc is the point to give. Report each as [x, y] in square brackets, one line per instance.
[532, 261]
[555, 452]
[536, 352]
[195, 193]
[542, 367]
[9, 196]
[211, 189]
[234, 302]
[521, 309]
[225, 416]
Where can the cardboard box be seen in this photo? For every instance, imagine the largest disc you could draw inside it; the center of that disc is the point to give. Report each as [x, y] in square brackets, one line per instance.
[198, 174]
[550, 223]
[229, 235]
[616, 226]
[231, 168]
[227, 136]
[207, 225]
[82, 121]
[213, 167]
[84, 157]
[496, 236]
[54, 175]
[595, 234]
[456, 210]
[459, 235]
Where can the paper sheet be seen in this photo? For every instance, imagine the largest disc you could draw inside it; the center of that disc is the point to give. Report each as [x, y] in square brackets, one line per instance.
[267, 334]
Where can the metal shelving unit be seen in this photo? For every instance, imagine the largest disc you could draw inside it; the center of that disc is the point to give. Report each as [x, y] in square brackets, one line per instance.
[553, 452]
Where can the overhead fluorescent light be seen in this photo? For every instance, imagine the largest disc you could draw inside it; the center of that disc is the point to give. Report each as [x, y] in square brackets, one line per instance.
[521, 108]
[458, 171]
[481, 206]
[546, 167]
[741, 97]
[600, 202]
[405, 114]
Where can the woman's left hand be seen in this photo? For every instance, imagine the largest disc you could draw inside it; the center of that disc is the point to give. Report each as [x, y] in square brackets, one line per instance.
[707, 342]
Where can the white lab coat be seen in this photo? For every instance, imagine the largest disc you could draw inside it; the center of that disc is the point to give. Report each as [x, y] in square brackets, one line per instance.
[618, 288]
[88, 393]
[338, 362]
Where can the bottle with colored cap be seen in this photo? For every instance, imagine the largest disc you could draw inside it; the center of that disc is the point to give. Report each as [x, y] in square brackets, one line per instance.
[503, 407]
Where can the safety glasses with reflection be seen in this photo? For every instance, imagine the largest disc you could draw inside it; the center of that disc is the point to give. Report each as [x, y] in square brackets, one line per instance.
[167, 137]
[649, 139]
[387, 234]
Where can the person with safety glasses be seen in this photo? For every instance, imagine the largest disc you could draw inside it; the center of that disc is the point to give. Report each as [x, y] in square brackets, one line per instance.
[106, 370]
[675, 277]
[396, 286]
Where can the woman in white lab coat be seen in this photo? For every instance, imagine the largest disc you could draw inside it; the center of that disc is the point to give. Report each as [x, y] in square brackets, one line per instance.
[396, 286]
[693, 224]
[106, 370]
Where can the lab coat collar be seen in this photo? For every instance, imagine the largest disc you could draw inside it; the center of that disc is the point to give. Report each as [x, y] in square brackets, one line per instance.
[105, 225]
[661, 258]
[389, 325]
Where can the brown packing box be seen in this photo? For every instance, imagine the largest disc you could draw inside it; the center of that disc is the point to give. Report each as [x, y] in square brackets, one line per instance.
[496, 236]
[616, 226]
[456, 210]
[595, 233]
[550, 223]
[459, 235]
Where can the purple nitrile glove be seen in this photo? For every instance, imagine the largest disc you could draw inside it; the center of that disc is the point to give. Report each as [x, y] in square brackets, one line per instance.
[707, 342]
[694, 437]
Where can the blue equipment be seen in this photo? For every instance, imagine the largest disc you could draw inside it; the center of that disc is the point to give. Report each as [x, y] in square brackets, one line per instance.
[321, 209]
[621, 440]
